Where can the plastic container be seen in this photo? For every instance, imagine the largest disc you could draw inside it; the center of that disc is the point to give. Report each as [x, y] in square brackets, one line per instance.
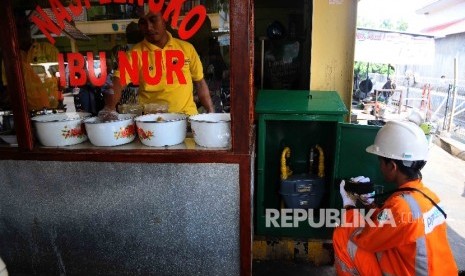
[157, 107]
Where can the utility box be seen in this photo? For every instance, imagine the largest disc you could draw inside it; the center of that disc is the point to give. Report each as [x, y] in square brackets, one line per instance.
[301, 120]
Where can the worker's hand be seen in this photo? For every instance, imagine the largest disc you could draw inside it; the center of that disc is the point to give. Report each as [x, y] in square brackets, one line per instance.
[365, 199]
[107, 114]
[347, 199]
[360, 179]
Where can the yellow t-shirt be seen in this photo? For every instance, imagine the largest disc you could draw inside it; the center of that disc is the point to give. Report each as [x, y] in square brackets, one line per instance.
[179, 96]
[42, 52]
[37, 96]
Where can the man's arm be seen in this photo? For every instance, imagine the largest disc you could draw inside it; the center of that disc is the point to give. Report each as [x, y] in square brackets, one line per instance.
[111, 96]
[204, 95]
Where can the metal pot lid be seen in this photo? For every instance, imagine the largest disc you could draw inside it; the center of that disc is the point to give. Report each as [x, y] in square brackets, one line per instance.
[62, 117]
[121, 117]
[161, 118]
[211, 118]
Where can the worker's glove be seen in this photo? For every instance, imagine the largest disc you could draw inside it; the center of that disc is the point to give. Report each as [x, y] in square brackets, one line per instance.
[107, 114]
[347, 198]
[365, 199]
[360, 179]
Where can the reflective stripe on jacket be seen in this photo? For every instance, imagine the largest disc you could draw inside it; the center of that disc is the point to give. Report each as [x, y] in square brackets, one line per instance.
[417, 244]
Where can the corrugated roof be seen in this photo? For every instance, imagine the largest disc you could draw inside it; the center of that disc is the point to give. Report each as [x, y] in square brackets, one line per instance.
[451, 27]
[69, 30]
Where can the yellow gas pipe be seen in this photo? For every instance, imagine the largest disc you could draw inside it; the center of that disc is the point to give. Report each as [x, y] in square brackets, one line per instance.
[285, 170]
[321, 162]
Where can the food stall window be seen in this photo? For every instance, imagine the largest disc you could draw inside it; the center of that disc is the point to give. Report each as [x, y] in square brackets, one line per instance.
[68, 57]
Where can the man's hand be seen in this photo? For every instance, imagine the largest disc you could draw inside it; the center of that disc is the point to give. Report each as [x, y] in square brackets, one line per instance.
[107, 114]
[204, 95]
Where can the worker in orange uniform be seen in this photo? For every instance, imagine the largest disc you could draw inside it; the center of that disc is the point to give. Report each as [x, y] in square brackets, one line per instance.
[408, 235]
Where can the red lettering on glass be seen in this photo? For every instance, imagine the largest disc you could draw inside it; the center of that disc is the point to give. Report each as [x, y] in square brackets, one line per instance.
[61, 14]
[174, 8]
[155, 7]
[45, 24]
[77, 74]
[199, 11]
[77, 10]
[97, 80]
[131, 69]
[174, 63]
[174, 60]
[158, 70]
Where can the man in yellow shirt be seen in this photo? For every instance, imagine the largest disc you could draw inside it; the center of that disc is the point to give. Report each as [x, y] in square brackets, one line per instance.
[175, 89]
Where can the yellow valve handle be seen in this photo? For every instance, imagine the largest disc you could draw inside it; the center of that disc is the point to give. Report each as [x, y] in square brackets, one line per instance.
[285, 170]
[321, 162]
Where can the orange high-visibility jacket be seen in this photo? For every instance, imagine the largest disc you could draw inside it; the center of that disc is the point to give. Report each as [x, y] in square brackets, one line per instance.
[417, 244]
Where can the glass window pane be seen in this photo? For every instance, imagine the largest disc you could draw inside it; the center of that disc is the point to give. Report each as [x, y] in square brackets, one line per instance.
[70, 60]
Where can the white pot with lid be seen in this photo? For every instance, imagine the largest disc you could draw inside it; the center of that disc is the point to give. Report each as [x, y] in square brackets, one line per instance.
[64, 129]
[211, 130]
[162, 129]
[111, 133]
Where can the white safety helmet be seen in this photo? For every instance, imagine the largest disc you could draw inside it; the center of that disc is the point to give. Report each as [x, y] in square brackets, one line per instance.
[400, 140]
[416, 117]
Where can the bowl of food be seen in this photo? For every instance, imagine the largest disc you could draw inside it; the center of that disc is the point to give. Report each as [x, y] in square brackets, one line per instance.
[211, 130]
[111, 133]
[64, 129]
[161, 129]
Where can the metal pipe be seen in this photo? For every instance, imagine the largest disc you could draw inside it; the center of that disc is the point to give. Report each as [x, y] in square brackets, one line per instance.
[447, 107]
[454, 95]
[262, 62]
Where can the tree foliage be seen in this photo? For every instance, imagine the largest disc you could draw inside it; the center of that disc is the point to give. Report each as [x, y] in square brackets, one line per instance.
[383, 24]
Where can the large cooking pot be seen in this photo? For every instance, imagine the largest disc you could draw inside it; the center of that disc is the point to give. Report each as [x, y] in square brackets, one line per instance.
[65, 129]
[111, 133]
[365, 86]
[212, 130]
[161, 129]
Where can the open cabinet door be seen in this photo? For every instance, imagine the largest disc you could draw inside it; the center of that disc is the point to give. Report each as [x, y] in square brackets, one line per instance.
[352, 159]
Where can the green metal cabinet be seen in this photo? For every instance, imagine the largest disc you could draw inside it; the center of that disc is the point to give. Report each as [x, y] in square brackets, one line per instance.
[300, 120]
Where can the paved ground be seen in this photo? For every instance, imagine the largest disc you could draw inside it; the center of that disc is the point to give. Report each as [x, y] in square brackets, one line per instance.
[445, 175]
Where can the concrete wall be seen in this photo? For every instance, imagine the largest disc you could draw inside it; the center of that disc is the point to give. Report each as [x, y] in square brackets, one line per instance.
[88, 218]
[446, 50]
[333, 46]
